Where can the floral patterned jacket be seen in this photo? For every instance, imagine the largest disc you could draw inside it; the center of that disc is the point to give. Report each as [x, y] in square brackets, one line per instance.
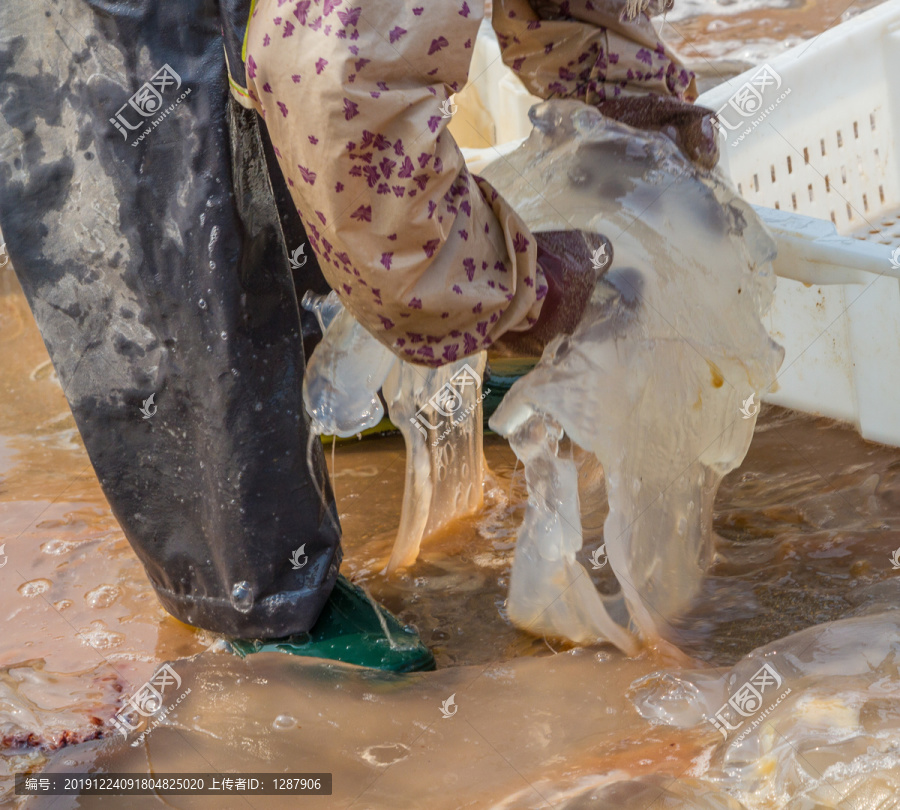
[427, 256]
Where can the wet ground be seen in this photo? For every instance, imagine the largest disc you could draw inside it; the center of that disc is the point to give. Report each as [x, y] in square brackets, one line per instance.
[806, 526]
[752, 30]
[806, 531]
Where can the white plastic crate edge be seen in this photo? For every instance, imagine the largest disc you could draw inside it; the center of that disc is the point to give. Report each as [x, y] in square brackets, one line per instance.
[836, 366]
[811, 130]
[842, 342]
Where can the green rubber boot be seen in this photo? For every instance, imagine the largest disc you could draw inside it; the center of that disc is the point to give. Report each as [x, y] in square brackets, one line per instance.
[350, 631]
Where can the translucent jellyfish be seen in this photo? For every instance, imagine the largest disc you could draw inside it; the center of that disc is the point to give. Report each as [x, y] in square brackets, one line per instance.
[651, 382]
[438, 411]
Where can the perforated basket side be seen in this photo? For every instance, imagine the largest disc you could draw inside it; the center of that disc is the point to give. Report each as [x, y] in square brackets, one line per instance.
[821, 141]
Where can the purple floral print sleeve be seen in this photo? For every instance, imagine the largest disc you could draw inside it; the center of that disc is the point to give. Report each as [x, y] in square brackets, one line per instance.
[429, 258]
[588, 50]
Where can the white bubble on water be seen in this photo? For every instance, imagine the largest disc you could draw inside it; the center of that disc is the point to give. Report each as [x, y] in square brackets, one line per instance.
[102, 596]
[99, 636]
[383, 755]
[34, 587]
[57, 547]
[487, 560]
[284, 722]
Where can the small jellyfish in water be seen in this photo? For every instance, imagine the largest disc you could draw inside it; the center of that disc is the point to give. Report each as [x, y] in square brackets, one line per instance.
[242, 597]
[284, 722]
[35, 587]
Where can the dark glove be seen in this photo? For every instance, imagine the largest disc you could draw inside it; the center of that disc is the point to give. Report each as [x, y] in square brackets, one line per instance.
[572, 262]
[689, 126]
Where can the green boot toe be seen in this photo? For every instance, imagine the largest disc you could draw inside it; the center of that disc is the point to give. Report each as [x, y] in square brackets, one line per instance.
[349, 630]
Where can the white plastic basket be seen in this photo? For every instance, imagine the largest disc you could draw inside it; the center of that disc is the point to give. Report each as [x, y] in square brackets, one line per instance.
[820, 161]
[827, 148]
[822, 142]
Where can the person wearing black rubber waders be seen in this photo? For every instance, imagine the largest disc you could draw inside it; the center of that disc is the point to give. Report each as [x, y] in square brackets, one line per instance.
[161, 162]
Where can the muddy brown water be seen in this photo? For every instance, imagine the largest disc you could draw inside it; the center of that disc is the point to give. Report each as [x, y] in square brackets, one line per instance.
[806, 527]
[805, 532]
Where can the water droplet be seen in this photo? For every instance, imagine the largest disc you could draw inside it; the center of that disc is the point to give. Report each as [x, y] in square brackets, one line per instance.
[62, 604]
[284, 722]
[242, 597]
[102, 596]
[212, 265]
[35, 587]
[223, 335]
[202, 303]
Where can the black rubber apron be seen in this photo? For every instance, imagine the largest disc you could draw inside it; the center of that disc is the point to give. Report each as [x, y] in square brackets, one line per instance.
[160, 270]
